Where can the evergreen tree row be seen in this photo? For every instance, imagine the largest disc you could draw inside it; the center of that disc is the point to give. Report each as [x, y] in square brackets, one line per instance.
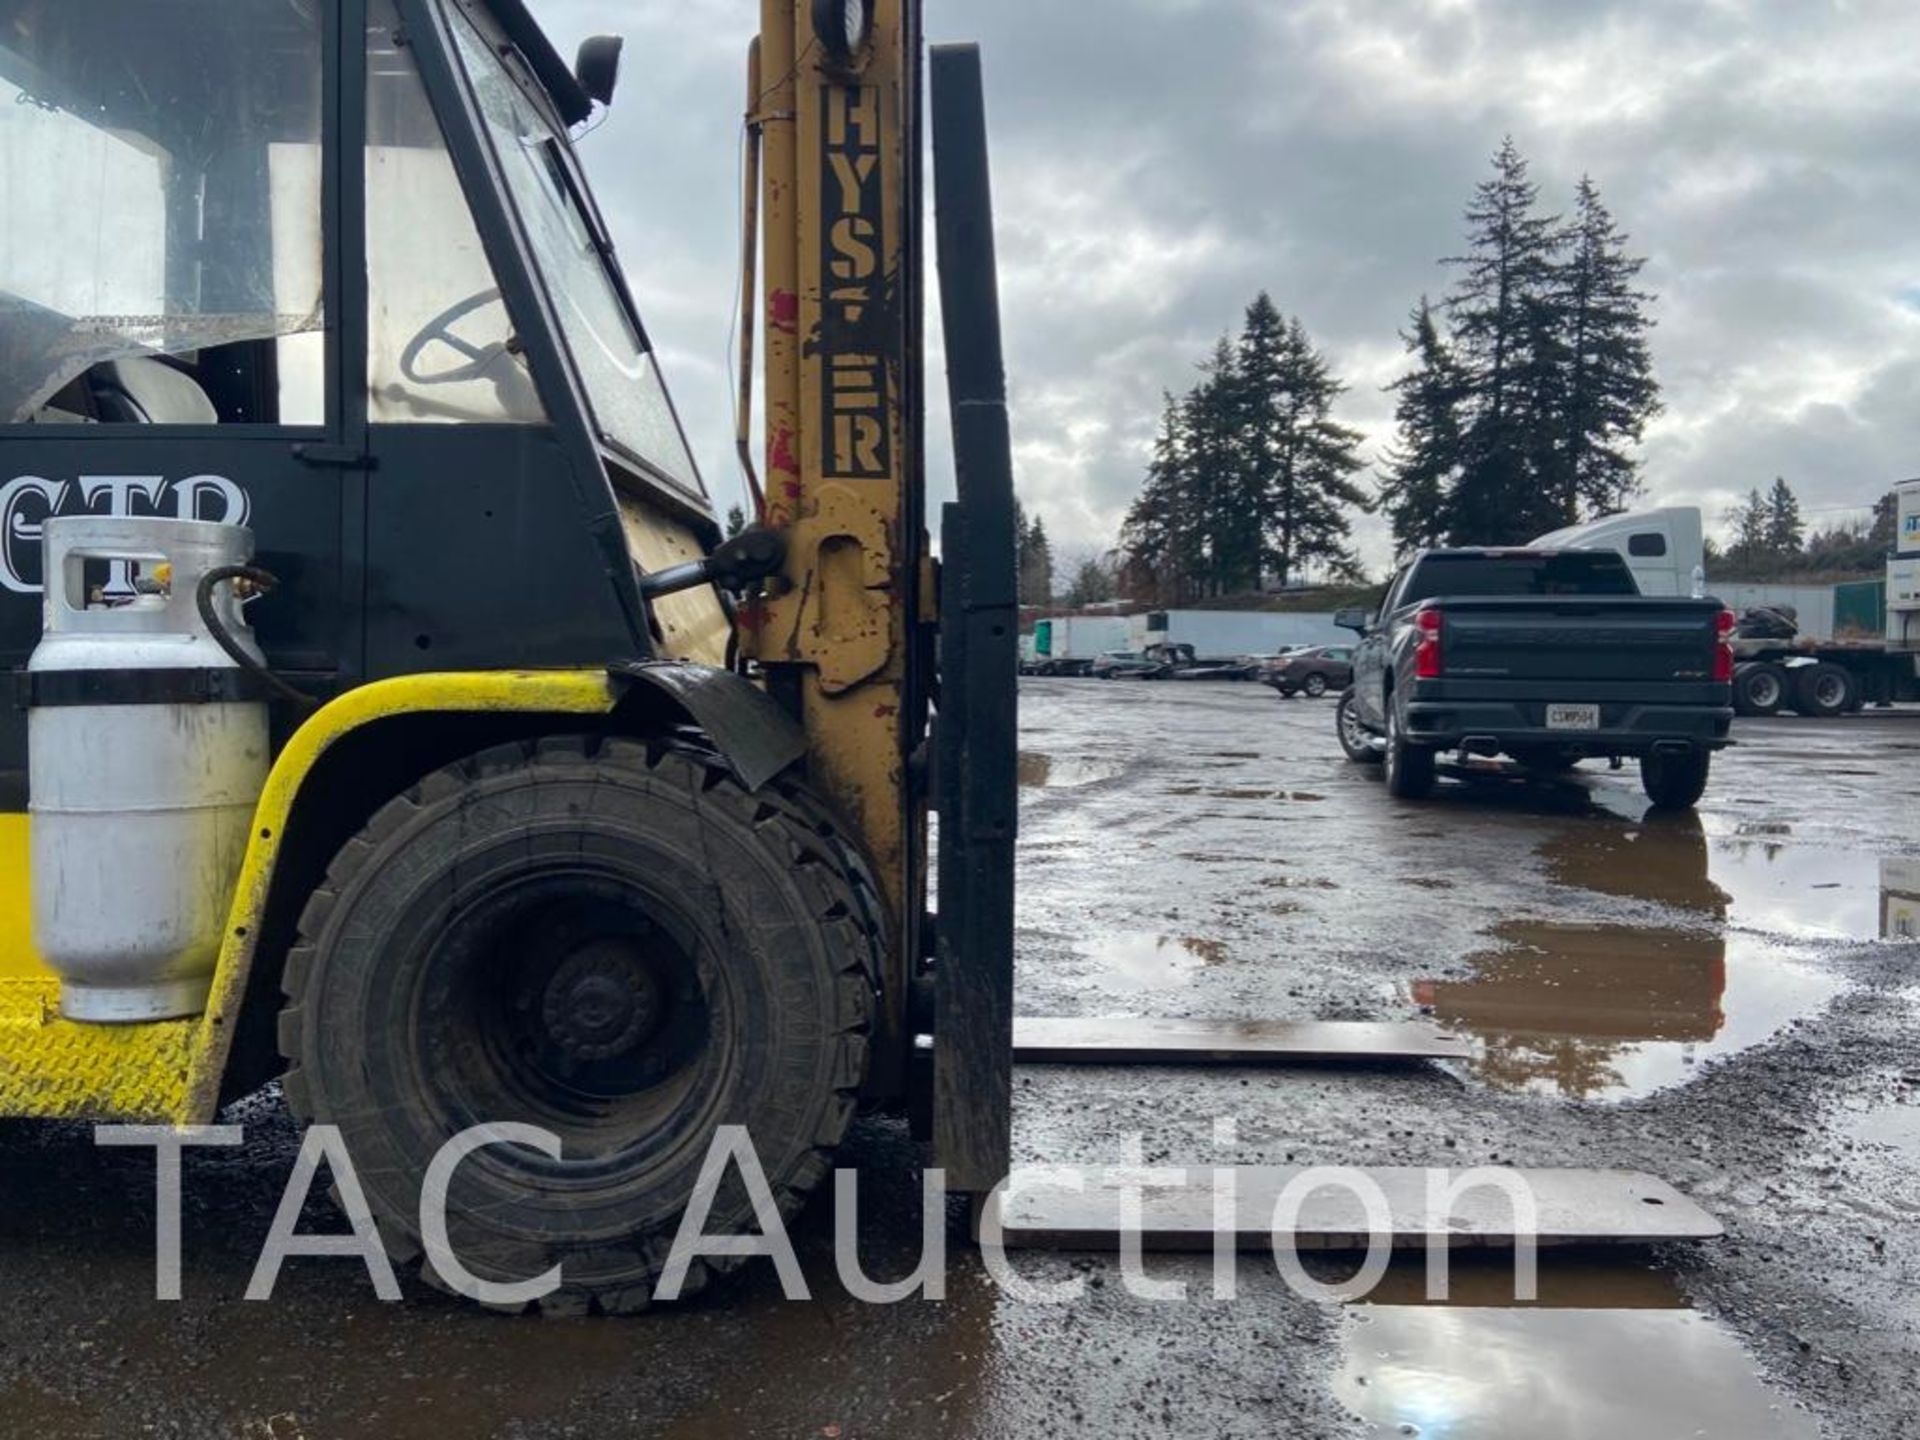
[1769, 539]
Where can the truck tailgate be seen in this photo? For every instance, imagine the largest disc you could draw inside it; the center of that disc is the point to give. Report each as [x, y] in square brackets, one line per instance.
[1579, 638]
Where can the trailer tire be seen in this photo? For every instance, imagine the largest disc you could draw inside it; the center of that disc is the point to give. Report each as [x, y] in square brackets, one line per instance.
[1824, 690]
[1410, 767]
[1355, 739]
[614, 941]
[1675, 782]
[1759, 688]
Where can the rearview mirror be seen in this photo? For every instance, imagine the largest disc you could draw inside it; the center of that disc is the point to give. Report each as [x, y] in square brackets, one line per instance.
[597, 67]
[1357, 620]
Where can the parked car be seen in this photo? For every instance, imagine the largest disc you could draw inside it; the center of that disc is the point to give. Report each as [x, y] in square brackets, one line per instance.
[1123, 665]
[1312, 671]
[1178, 662]
[1545, 656]
[1265, 665]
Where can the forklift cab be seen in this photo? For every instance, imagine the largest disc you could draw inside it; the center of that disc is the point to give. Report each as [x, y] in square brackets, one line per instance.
[332, 271]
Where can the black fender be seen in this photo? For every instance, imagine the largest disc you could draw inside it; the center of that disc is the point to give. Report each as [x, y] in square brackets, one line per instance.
[758, 739]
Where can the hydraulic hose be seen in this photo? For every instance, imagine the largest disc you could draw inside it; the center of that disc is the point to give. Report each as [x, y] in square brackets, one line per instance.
[263, 582]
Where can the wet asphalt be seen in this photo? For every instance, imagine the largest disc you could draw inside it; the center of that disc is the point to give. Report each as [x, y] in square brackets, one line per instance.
[1708, 998]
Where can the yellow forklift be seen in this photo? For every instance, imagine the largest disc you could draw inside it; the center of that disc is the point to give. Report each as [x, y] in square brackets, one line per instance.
[390, 715]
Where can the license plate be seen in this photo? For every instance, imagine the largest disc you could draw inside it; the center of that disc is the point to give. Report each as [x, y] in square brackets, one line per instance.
[1573, 717]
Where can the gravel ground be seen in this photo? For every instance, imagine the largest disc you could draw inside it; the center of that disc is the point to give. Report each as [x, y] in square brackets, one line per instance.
[1704, 1000]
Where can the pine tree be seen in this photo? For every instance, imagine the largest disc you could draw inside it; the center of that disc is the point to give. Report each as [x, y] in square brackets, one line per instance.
[1036, 566]
[1748, 522]
[736, 521]
[1423, 466]
[1885, 516]
[1505, 315]
[1218, 507]
[1786, 532]
[1609, 392]
[1159, 562]
[1299, 463]
[1250, 473]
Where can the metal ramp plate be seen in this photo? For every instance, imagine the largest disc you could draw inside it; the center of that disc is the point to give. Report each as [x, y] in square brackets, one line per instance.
[1063, 1207]
[1134, 1041]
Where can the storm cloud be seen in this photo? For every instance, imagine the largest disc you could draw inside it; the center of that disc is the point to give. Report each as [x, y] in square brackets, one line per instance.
[1157, 162]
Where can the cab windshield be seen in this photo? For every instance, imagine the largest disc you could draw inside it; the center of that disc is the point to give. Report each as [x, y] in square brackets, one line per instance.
[160, 230]
[630, 404]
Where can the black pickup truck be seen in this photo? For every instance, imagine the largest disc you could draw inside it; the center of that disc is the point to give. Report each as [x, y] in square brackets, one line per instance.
[1547, 657]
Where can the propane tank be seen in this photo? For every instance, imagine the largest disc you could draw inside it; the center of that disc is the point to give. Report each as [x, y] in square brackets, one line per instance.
[147, 751]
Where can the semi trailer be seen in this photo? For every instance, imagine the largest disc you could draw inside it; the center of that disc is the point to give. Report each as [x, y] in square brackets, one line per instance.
[1225, 634]
[1816, 650]
[1069, 644]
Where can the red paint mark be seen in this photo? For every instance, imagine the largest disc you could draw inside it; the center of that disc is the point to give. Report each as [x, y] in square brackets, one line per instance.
[882, 712]
[783, 311]
[780, 454]
[793, 488]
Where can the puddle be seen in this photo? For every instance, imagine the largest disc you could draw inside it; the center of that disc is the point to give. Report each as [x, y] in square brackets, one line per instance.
[1598, 1369]
[1613, 1011]
[1565, 1279]
[1755, 877]
[1154, 961]
[1040, 771]
[1894, 1127]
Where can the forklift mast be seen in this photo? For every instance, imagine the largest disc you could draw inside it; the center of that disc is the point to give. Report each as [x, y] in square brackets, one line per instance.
[833, 126]
[860, 636]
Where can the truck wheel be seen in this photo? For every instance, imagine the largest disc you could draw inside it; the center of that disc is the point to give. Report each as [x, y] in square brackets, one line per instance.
[610, 940]
[1355, 738]
[1315, 685]
[1823, 690]
[1759, 688]
[1675, 782]
[1410, 773]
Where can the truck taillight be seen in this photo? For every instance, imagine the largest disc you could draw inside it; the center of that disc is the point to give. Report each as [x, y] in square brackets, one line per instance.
[1723, 645]
[1426, 654]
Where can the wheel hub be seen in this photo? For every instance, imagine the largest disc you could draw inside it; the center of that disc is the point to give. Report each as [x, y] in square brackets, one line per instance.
[601, 1002]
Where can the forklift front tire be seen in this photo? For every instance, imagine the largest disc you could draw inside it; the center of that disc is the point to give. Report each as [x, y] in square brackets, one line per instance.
[608, 939]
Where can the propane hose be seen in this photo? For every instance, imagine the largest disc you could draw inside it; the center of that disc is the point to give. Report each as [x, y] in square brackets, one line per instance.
[262, 582]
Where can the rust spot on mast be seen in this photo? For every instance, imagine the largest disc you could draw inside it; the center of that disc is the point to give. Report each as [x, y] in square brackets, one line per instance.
[780, 454]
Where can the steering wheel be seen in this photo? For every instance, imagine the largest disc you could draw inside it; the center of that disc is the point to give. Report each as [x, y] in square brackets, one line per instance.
[479, 358]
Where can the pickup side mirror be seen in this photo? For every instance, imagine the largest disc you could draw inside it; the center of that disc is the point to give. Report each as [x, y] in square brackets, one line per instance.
[1357, 620]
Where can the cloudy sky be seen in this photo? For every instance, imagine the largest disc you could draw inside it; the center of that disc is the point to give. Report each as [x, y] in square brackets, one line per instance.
[1157, 162]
